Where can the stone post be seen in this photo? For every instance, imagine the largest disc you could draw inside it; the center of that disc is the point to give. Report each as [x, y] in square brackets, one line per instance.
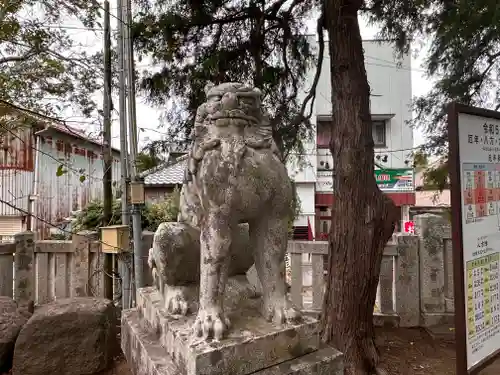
[431, 230]
[147, 243]
[449, 297]
[81, 274]
[407, 280]
[24, 260]
[386, 280]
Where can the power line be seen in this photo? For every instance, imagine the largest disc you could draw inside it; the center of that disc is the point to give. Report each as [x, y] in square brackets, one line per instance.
[393, 64]
[157, 131]
[63, 27]
[119, 19]
[63, 121]
[50, 118]
[316, 153]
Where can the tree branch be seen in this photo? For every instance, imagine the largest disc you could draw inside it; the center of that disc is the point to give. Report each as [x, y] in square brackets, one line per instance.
[25, 57]
[311, 95]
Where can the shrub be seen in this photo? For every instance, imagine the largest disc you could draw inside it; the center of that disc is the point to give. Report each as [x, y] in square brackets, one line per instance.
[161, 212]
[91, 217]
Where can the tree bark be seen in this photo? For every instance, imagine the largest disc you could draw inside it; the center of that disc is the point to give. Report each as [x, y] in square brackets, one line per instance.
[363, 218]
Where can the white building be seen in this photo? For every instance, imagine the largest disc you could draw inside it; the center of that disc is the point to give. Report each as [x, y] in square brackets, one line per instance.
[47, 170]
[390, 83]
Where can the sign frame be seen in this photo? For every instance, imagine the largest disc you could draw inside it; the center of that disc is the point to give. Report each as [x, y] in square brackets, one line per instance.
[454, 110]
[395, 171]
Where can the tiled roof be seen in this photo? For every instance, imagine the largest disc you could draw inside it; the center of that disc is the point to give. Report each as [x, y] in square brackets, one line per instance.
[168, 174]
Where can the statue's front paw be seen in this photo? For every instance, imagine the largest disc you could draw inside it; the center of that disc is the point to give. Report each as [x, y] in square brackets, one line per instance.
[210, 323]
[280, 311]
[176, 301]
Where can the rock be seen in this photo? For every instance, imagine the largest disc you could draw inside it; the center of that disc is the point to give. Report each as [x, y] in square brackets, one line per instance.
[12, 320]
[72, 336]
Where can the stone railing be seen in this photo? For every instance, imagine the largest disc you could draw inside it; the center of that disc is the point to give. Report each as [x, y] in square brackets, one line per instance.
[415, 286]
[416, 276]
[398, 285]
[44, 271]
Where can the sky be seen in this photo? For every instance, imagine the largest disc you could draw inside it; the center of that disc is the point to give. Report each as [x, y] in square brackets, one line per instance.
[148, 117]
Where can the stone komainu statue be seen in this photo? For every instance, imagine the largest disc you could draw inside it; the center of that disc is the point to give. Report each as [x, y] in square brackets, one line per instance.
[234, 210]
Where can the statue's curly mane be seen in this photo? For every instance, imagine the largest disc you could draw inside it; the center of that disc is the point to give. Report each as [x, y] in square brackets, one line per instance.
[229, 122]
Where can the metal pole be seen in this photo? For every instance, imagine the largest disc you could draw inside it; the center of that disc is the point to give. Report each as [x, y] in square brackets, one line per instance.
[123, 270]
[136, 211]
[107, 155]
[122, 103]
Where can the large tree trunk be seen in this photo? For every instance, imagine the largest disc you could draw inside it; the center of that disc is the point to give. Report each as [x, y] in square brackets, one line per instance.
[363, 217]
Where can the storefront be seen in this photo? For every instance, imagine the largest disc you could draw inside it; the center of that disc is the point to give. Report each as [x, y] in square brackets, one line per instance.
[396, 183]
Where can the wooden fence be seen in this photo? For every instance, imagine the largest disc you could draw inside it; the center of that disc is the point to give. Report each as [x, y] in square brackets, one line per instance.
[415, 287]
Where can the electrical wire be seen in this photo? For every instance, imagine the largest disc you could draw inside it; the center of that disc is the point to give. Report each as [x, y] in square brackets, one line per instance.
[62, 121]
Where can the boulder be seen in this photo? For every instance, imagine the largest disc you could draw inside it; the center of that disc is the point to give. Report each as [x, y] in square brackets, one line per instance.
[72, 336]
[12, 320]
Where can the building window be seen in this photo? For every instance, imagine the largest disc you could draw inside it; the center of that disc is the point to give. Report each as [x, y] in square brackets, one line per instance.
[379, 133]
[323, 130]
[16, 149]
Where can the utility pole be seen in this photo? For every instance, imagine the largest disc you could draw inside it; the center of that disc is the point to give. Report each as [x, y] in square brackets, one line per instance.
[107, 154]
[135, 183]
[124, 269]
[123, 112]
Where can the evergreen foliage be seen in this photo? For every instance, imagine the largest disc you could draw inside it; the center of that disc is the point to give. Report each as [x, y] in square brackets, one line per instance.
[42, 66]
[464, 59]
[254, 42]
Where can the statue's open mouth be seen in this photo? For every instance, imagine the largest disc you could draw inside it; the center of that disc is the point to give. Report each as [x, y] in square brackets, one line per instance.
[234, 114]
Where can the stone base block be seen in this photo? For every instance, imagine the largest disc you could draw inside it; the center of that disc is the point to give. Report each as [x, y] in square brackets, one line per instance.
[441, 332]
[386, 320]
[142, 348]
[146, 356]
[437, 319]
[252, 343]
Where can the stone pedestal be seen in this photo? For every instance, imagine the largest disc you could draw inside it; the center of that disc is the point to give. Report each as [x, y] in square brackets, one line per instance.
[157, 343]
